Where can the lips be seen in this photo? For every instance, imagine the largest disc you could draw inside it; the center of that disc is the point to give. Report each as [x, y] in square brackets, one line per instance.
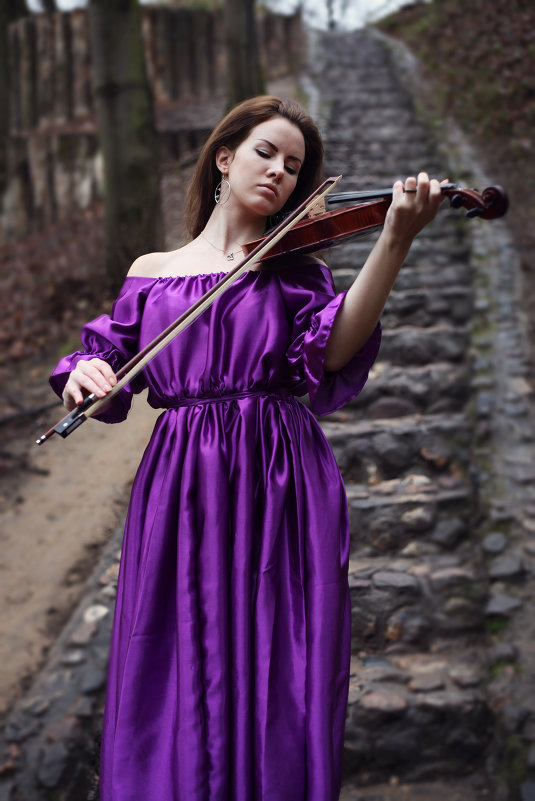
[271, 187]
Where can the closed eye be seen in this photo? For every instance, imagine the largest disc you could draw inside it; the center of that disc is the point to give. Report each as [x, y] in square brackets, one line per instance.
[265, 155]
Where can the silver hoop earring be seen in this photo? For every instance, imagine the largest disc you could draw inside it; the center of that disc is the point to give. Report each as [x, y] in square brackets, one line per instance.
[222, 193]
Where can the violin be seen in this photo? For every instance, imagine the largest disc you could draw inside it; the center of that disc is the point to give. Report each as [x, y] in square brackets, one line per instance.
[328, 228]
[295, 234]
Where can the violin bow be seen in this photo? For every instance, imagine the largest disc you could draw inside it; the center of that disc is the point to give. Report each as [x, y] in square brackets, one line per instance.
[91, 405]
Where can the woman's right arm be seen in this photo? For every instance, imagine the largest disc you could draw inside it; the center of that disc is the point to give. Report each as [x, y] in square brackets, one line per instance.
[92, 376]
[107, 343]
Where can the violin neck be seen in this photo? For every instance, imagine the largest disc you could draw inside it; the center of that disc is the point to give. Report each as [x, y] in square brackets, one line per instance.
[370, 194]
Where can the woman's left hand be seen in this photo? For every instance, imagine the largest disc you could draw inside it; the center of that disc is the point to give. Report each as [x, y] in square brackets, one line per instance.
[413, 206]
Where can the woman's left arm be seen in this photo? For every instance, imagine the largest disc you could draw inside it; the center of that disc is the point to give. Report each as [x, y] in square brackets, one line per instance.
[364, 302]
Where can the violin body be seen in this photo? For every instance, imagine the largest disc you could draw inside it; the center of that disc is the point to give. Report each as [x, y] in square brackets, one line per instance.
[328, 229]
[334, 227]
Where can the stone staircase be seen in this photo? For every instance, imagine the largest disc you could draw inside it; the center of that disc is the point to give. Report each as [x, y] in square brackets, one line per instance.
[417, 707]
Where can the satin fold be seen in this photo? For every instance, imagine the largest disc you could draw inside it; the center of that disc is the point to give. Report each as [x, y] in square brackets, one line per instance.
[229, 660]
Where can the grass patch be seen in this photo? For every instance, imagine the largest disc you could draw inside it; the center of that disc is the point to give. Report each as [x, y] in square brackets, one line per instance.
[496, 625]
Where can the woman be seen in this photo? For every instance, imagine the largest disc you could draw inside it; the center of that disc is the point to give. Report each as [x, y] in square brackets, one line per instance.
[230, 656]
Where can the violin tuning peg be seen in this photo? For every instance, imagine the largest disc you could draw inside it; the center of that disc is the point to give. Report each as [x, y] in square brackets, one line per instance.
[475, 212]
[456, 201]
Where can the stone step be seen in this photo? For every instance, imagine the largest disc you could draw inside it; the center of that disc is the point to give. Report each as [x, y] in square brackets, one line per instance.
[471, 787]
[419, 302]
[442, 243]
[375, 450]
[375, 174]
[411, 599]
[365, 148]
[437, 272]
[416, 715]
[387, 517]
[426, 307]
[410, 345]
[396, 391]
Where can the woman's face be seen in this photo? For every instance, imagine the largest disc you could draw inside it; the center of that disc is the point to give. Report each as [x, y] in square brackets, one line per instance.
[263, 169]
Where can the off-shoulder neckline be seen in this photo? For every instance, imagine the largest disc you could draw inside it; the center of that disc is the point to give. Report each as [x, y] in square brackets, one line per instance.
[216, 274]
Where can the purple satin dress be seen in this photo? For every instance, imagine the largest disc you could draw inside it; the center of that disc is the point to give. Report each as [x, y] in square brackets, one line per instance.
[230, 654]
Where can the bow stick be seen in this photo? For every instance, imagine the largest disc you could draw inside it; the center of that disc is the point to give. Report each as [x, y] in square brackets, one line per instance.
[91, 405]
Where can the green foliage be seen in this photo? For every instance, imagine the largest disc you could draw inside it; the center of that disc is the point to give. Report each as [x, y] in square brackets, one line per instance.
[68, 346]
[514, 770]
[496, 625]
[498, 668]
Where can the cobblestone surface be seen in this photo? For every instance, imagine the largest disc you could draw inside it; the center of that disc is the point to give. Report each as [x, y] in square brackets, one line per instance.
[437, 454]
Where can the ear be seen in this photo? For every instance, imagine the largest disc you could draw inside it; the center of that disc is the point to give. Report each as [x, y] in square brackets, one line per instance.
[223, 159]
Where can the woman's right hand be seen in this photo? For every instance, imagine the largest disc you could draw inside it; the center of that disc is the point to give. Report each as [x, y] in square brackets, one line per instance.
[93, 376]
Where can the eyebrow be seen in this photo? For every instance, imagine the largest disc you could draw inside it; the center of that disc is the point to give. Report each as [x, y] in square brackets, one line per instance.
[276, 149]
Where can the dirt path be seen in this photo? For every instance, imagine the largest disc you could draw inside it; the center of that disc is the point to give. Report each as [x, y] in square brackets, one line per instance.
[51, 528]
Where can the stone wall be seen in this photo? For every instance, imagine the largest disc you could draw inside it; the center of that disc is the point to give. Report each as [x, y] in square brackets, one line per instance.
[54, 163]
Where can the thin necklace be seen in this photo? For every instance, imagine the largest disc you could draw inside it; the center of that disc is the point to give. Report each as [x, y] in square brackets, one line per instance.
[228, 256]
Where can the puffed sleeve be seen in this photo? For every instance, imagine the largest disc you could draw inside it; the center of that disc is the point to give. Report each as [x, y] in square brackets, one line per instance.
[312, 305]
[114, 339]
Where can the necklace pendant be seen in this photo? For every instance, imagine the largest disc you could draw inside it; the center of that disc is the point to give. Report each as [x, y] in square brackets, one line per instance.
[230, 257]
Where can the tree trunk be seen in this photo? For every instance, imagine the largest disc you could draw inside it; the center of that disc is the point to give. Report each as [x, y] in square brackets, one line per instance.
[330, 15]
[10, 10]
[49, 6]
[242, 46]
[127, 134]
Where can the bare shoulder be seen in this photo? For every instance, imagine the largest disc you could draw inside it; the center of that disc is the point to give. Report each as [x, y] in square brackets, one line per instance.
[149, 265]
[183, 261]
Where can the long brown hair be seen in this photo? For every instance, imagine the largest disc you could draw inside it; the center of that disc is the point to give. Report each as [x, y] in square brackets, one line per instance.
[231, 132]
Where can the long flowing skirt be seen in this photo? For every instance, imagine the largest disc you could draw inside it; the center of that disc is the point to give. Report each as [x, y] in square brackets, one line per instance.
[229, 663]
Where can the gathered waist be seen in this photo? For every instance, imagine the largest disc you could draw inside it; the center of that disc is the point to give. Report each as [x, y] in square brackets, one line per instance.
[177, 403]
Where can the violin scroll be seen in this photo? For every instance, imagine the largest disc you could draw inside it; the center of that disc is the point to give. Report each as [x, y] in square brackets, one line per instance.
[489, 204]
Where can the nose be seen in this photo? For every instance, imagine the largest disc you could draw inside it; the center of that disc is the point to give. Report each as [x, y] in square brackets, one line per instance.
[276, 169]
